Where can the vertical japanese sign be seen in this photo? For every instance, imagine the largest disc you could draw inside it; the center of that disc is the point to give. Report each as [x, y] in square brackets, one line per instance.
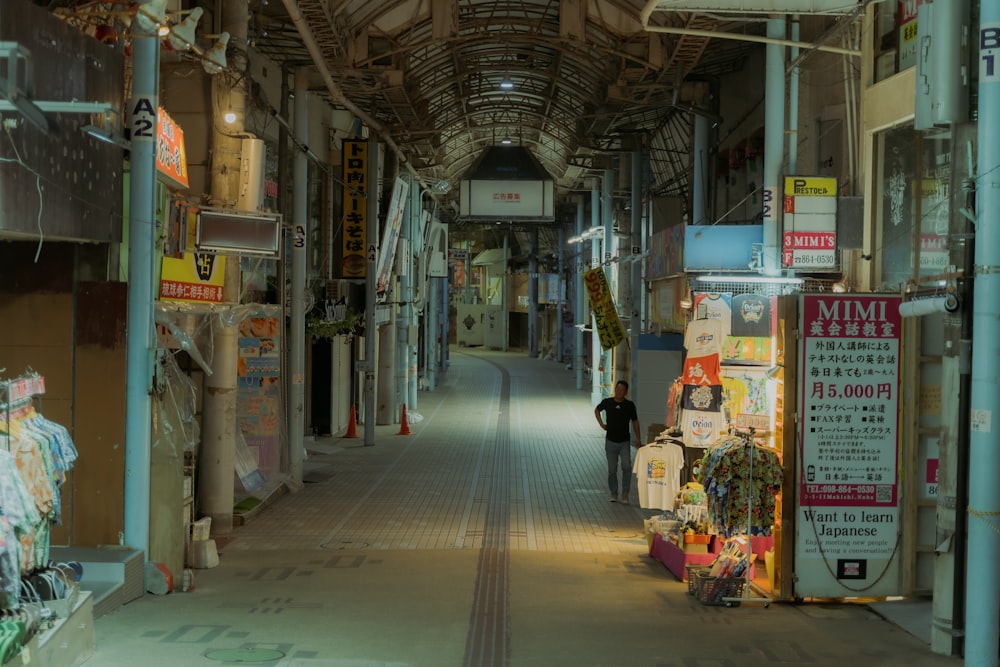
[355, 166]
[810, 224]
[906, 19]
[848, 474]
[171, 153]
[602, 305]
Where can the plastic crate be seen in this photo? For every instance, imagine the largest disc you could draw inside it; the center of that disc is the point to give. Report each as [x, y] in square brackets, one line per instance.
[691, 573]
[713, 590]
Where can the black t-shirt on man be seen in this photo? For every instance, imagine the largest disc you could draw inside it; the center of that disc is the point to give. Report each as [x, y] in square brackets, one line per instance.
[618, 417]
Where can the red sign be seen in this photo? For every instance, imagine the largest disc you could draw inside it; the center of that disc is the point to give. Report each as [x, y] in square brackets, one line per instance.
[907, 10]
[171, 155]
[849, 401]
[810, 240]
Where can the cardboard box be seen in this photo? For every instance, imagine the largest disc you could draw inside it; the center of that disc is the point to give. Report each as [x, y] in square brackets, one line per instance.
[695, 548]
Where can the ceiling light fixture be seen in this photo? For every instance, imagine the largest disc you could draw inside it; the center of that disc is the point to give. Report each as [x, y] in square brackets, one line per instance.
[750, 279]
[182, 36]
[506, 141]
[506, 84]
[104, 134]
[229, 116]
[152, 17]
[213, 60]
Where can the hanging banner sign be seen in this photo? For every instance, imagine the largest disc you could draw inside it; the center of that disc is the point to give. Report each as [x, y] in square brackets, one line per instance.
[602, 305]
[393, 225]
[847, 525]
[355, 227]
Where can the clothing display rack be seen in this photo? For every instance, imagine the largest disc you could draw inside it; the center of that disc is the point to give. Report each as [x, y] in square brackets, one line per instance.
[747, 437]
[16, 397]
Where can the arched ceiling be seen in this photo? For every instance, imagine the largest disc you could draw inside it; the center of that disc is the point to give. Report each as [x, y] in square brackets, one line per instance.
[587, 77]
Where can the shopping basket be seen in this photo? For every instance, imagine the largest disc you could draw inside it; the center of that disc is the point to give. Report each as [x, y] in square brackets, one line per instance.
[692, 571]
[714, 590]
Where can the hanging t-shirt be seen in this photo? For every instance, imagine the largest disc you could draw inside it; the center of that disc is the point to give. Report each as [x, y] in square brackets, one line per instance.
[706, 398]
[702, 370]
[701, 429]
[703, 337]
[657, 469]
[715, 306]
[751, 315]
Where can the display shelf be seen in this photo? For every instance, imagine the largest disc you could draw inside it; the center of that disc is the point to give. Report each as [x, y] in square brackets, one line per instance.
[69, 642]
[676, 560]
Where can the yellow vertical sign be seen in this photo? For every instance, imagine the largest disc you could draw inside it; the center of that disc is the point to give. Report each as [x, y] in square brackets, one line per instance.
[355, 172]
[602, 305]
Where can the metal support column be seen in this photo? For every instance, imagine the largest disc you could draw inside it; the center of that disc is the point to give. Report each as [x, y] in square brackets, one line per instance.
[793, 103]
[139, 339]
[371, 252]
[413, 245]
[608, 361]
[300, 257]
[638, 242]
[774, 144]
[596, 362]
[700, 188]
[982, 605]
[580, 311]
[562, 293]
[533, 294]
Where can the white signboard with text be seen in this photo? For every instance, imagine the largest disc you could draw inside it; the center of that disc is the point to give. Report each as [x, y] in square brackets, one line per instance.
[848, 518]
[809, 239]
[505, 200]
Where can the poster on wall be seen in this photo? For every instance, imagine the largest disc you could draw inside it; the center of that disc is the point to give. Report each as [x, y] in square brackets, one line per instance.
[848, 518]
[258, 404]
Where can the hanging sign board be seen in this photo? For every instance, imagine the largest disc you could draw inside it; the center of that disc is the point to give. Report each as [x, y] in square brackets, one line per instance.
[848, 518]
[602, 305]
[393, 225]
[171, 154]
[810, 223]
[198, 277]
[355, 227]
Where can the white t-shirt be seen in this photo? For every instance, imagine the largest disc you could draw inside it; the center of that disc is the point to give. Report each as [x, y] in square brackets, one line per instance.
[701, 429]
[715, 306]
[657, 468]
[703, 337]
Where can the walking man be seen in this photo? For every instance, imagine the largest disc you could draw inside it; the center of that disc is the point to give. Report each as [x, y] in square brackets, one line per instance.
[619, 412]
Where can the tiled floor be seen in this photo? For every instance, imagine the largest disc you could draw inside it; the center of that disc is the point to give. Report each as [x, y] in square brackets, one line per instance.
[483, 538]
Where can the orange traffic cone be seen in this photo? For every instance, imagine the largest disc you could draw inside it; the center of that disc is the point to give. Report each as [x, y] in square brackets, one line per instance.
[352, 425]
[404, 428]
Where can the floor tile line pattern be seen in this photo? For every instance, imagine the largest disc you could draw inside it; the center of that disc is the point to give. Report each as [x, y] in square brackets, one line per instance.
[430, 490]
[379, 484]
[488, 641]
[390, 588]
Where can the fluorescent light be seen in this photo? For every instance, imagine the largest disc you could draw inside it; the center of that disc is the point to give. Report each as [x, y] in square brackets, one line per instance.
[506, 141]
[750, 279]
[506, 84]
[106, 136]
[593, 232]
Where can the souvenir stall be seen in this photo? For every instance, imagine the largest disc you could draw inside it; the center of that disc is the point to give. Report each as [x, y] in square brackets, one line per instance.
[35, 456]
[726, 407]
